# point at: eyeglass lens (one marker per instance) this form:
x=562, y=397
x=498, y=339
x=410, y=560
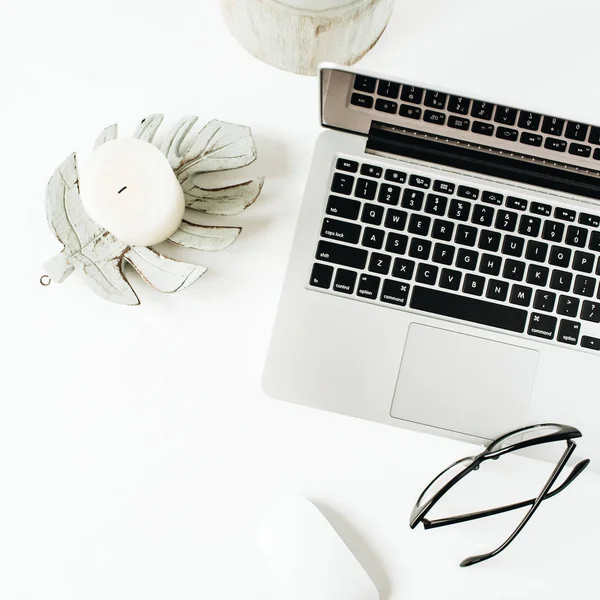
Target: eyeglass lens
x=525, y=435
x=442, y=479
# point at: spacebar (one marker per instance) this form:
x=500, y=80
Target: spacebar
x=468, y=309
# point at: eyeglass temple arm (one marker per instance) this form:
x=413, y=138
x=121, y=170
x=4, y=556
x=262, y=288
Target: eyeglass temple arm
x=471, y=560
x=430, y=524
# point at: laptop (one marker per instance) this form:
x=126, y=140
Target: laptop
x=445, y=270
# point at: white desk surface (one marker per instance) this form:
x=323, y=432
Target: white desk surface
x=136, y=446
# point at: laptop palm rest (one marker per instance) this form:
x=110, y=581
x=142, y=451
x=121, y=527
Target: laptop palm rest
x=463, y=383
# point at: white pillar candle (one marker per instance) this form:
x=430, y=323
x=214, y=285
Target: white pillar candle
x=129, y=188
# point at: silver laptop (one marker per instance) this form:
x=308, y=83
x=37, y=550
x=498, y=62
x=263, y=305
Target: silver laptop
x=445, y=270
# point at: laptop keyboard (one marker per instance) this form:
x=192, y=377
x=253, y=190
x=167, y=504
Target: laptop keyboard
x=455, y=249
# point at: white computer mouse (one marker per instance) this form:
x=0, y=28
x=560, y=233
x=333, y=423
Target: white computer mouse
x=306, y=556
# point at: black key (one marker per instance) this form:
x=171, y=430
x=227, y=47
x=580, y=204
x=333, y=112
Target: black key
x=490, y=264
x=395, y=176
x=389, y=194
x=595, y=242
x=568, y=332
x=465, y=235
x=389, y=89
x=596, y=154
x=506, y=133
x=371, y=171
x=412, y=199
x=583, y=261
x=553, y=126
x=342, y=184
x=341, y=231
x=492, y=198
x=450, y=279
x=419, y=224
x=361, y=100
x=395, y=292
x=444, y=254
x=568, y=306
x=372, y=214
x=576, y=236
x=396, y=243
x=561, y=280
x=584, y=286
x=321, y=276
x=365, y=189
x=536, y=251
x=513, y=246
x=497, y=290
x=460, y=105
x=412, y=112
x=467, y=192
x=544, y=300
x=505, y=115
x=580, y=150
x=395, y=219
x=590, y=220
x=482, y=215
x=506, y=220
x=373, y=238
x=459, y=209
x=564, y=214
x=537, y=275
x=520, y=295
x=380, y=263
x=467, y=259
x=427, y=274
x=344, y=164
x=555, y=144
x=419, y=182
x=413, y=94
x=576, y=131
x=443, y=186
x=560, y=257
x=420, y=248
x=538, y=208
x=516, y=203
x=594, y=135
x=368, y=286
x=530, y=226
x=365, y=84
x=344, y=281
x=442, y=230
x=432, y=116
x=474, y=285
x=553, y=231
x=482, y=110
x=489, y=240
x=468, y=309
x=343, y=207
x=513, y=269
x=403, y=268
x=458, y=123
x=435, y=99
x=529, y=120
x=590, y=342
x=342, y=255
x=436, y=204
x=542, y=326
x=386, y=106
x=531, y=139
x=482, y=128
x=590, y=311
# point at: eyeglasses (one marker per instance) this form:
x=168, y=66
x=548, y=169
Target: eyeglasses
x=516, y=440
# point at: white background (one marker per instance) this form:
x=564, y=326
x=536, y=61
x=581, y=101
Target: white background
x=136, y=446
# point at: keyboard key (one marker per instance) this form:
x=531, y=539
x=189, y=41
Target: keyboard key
x=460, y=105
x=492, y=198
x=594, y=135
x=432, y=116
x=568, y=332
x=468, y=309
x=576, y=131
x=467, y=259
x=589, y=220
x=372, y=214
x=435, y=99
x=380, y=263
x=395, y=176
x=373, y=238
x=364, y=84
x=561, y=280
x=344, y=164
x=396, y=243
x=520, y=295
x=595, y=241
x=342, y=184
x=412, y=112
x=444, y=254
x=553, y=231
x=553, y=126
x=444, y=187
x=506, y=220
x=365, y=189
x=403, y=268
x=371, y=171
x=339, y=254
x=490, y=264
x=542, y=326
x=489, y=240
x=460, y=210
x=389, y=89
x=341, y=231
x=568, y=306
x=413, y=94
x=344, y=281
x=368, y=286
x=505, y=115
x=580, y=150
x=531, y=139
x=583, y=261
x=508, y=134
x=564, y=214
x=465, y=235
x=389, y=194
x=419, y=224
x=419, y=182
x=537, y=208
x=576, y=236
x=544, y=300
x=482, y=110
x=529, y=120
x=482, y=128
x=497, y=290
x=555, y=144
x=450, y=280
x=516, y=203
x=584, y=286
x=386, y=106
x=458, y=123
x=513, y=246
x=536, y=251
x=396, y=219
x=395, y=292
x=321, y=276
x=361, y=100
x=442, y=230
x=590, y=342
x=590, y=311
x=343, y=207
x=427, y=274
x=436, y=204
x=537, y=275
x=412, y=199
x=513, y=270
x=420, y=249
x=474, y=285
x=560, y=257
x=530, y=226
x=467, y=192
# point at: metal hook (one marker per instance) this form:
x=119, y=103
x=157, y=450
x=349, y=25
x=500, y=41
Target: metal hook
x=45, y=280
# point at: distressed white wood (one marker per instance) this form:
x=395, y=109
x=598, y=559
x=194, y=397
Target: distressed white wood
x=296, y=35
x=202, y=237
x=110, y=133
x=230, y=200
x=147, y=128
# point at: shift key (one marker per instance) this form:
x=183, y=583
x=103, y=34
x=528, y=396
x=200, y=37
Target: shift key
x=341, y=231
x=342, y=255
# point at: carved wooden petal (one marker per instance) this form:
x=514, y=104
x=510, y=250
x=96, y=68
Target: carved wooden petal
x=148, y=127
x=230, y=200
x=171, y=146
x=201, y=237
x=110, y=133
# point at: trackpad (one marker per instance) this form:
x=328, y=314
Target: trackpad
x=463, y=383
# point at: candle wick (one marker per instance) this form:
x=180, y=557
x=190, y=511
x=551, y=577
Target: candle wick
x=122, y=189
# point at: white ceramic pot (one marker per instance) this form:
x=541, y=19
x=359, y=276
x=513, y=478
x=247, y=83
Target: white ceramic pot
x=296, y=35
